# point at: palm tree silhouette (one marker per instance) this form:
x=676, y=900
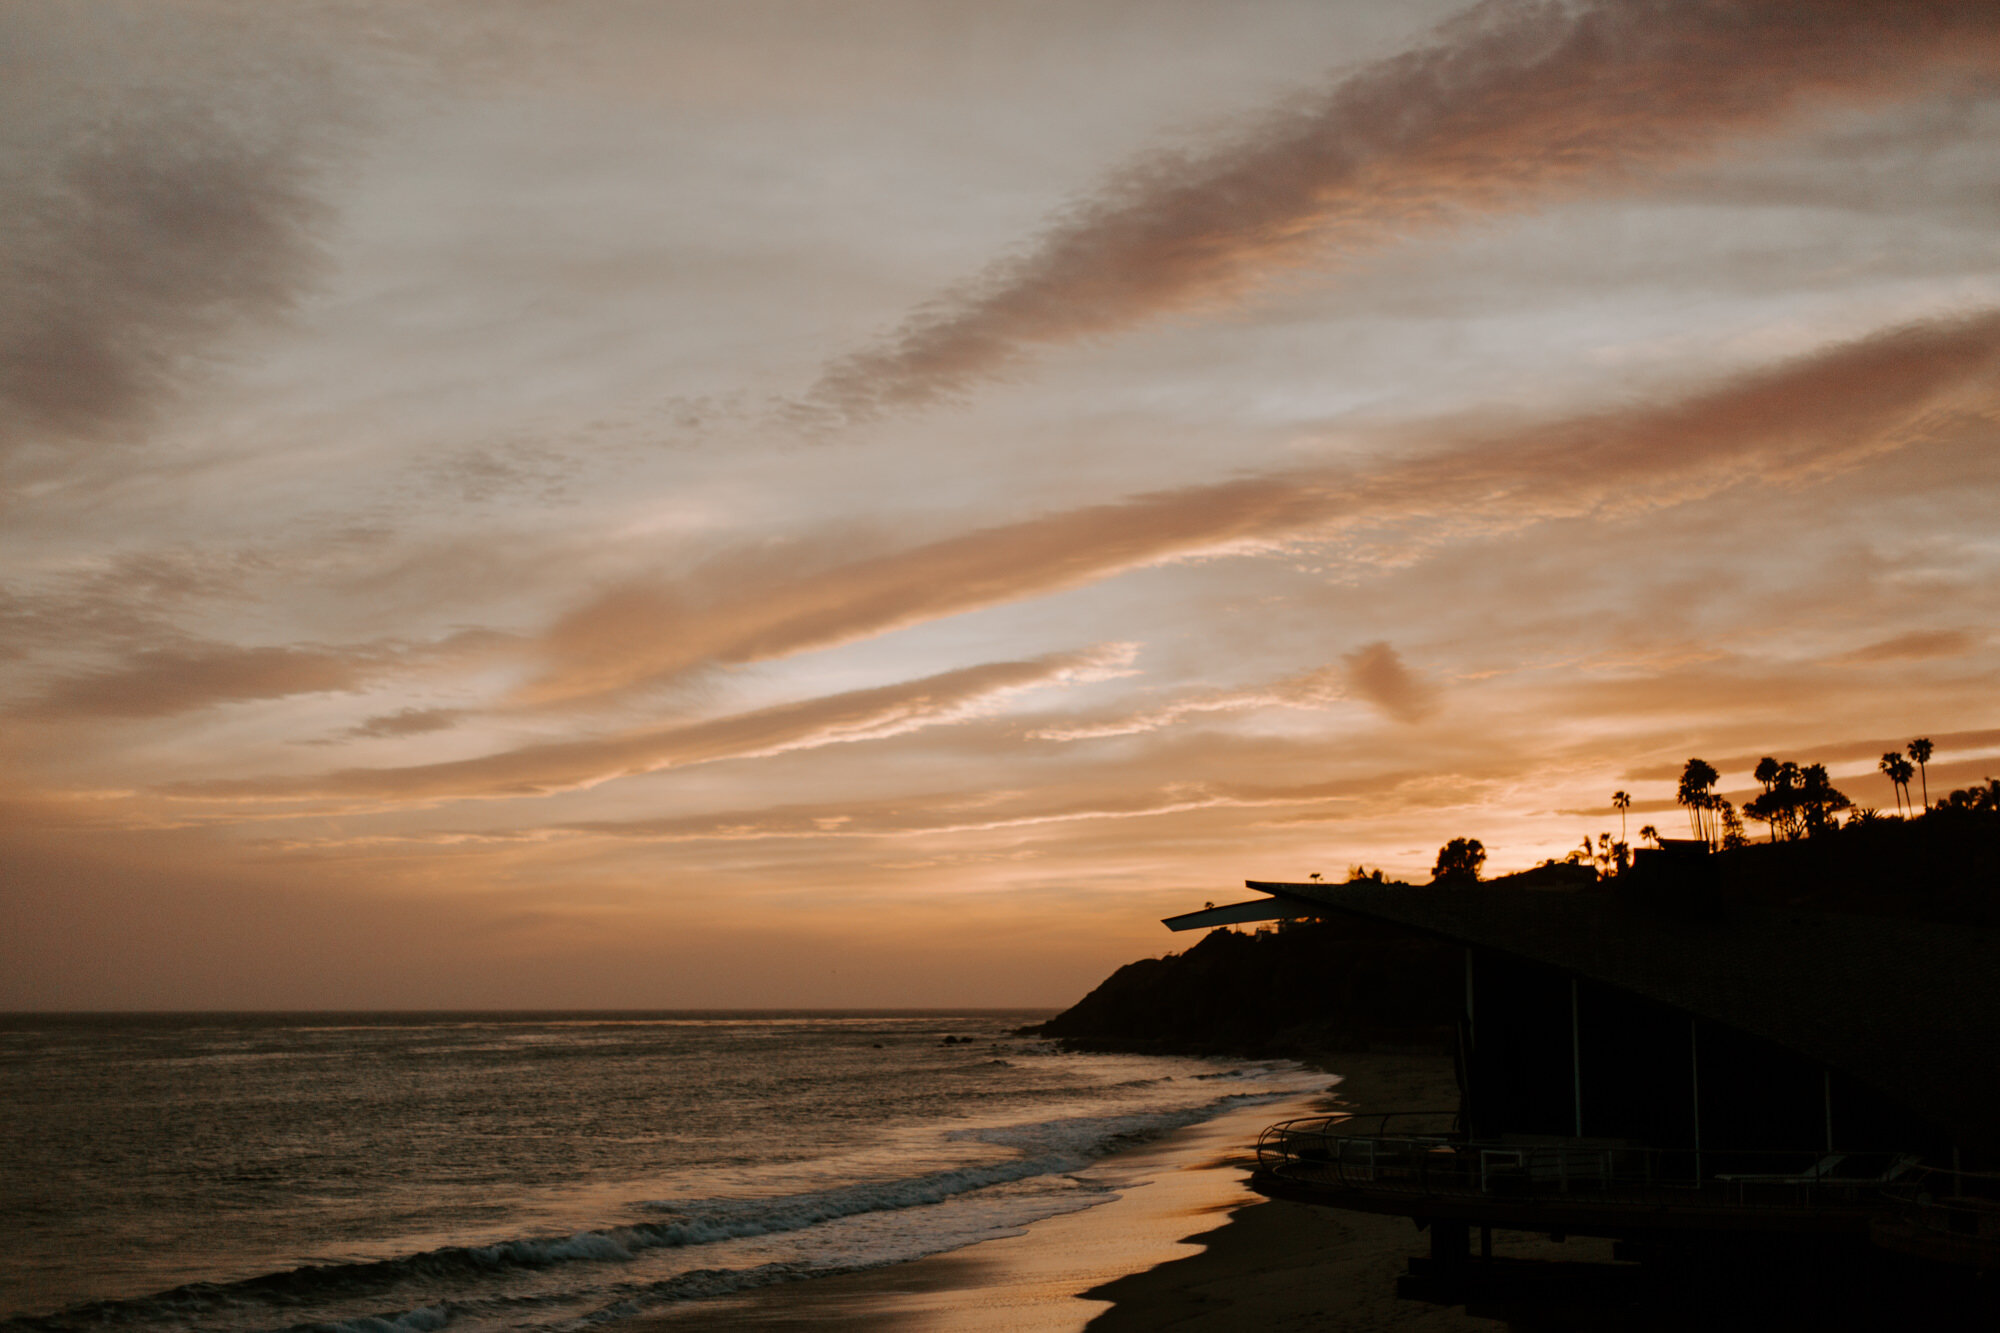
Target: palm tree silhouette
x=1696, y=792
x=1921, y=751
x=1899, y=772
x=1621, y=801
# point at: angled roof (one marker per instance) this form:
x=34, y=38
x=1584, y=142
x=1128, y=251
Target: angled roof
x=1911, y=1007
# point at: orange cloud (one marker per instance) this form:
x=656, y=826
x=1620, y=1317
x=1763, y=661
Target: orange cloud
x=1917, y=646
x=1921, y=385
x=160, y=195
x=643, y=632
x=537, y=770
x=1119, y=795
x=1513, y=106
x=407, y=722
x=163, y=681
x=1377, y=674
x=1311, y=689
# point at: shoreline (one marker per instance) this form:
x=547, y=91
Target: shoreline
x=1273, y=1264
x=1036, y=1280
x=1186, y=1245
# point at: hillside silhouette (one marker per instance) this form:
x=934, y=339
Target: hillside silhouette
x=1345, y=983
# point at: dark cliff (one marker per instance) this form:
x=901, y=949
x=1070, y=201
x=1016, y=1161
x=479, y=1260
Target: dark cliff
x=1309, y=987
x=1346, y=983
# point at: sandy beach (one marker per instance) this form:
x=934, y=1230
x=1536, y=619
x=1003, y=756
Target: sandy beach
x=1187, y=1245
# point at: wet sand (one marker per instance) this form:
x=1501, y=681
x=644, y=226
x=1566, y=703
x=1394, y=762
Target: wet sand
x=1186, y=1246
x=1185, y=1183
x=1278, y=1265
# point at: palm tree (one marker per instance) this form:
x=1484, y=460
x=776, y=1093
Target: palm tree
x=1695, y=792
x=1649, y=833
x=1621, y=801
x=1899, y=772
x=1921, y=751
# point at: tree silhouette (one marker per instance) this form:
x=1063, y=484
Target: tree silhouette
x=1974, y=800
x=1610, y=858
x=1732, y=825
x=1459, y=861
x=1779, y=806
x=1899, y=772
x=1921, y=750
x=1819, y=799
x=1696, y=792
x=1795, y=801
x=1621, y=801
x=1767, y=771
x=1650, y=834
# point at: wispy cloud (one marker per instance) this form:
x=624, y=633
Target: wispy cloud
x=160, y=682
x=189, y=675
x=1511, y=107
x=1917, y=646
x=1376, y=673
x=1311, y=689
x=537, y=770
x=158, y=193
x=908, y=815
x=756, y=611
x=407, y=722
x=1906, y=388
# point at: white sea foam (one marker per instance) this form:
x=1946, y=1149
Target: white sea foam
x=421, y=1320
x=496, y=1204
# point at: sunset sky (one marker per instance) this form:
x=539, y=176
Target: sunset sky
x=876, y=502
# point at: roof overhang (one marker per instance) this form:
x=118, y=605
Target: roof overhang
x=1280, y=906
x=1911, y=1007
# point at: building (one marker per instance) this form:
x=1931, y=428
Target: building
x=1645, y=1061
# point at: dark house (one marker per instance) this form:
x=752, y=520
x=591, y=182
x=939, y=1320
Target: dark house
x=1646, y=1061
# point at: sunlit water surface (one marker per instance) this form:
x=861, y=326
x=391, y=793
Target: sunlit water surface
x=382, y=1172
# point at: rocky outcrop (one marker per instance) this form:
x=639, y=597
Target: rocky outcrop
x=1296, y=991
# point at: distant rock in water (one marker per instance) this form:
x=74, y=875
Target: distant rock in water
x=1313, y=986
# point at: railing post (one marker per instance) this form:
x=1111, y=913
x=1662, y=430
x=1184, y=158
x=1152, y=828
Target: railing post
x=1694, y=1086
x=1576, y=1054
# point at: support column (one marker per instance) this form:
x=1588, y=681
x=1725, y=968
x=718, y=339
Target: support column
x=1468, y=988
x=1451, y=1247
x=1694, y=1082
x=1576, y=1056
x=1442, y=1277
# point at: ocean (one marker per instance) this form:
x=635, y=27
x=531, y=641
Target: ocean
x=383, y=1173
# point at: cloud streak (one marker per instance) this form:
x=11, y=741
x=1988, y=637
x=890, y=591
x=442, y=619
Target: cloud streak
x=913, y=815
x=1917, y=646
x=158, y=193
x=1811, y=418
x=1310, y=689
x=1513, y=106
x=540, y=770
x=160, y=682
x=1376, y=673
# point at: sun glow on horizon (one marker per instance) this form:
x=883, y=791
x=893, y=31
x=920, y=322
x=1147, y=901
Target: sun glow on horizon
x=621, y=517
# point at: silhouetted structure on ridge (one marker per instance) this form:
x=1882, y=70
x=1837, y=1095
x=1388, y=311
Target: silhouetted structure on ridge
x=1685, y=1062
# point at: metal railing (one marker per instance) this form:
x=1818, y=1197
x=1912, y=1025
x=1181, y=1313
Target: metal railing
x=1962, y=1207
x=1423, y=1153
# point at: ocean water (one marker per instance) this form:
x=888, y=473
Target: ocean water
x=387, y=1172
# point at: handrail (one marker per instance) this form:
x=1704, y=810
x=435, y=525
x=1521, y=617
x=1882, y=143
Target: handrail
x=1348, y=1149
x=1963, y=1205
